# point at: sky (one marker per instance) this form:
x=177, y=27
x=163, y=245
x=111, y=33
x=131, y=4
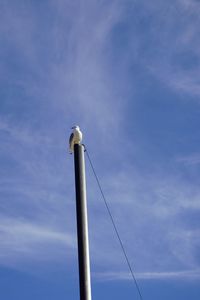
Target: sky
x=127, y=72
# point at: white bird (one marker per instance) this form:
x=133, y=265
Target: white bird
x=75, y=138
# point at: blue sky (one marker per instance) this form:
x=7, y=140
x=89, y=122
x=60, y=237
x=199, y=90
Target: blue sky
x=128, y=73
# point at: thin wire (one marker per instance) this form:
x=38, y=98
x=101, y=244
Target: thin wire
x=115, y=228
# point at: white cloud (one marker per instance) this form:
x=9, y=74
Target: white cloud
x=189, y=160
x=150, y=213
x=183, y=275
x=18, y=133
x=173, y=51
x=77, y=84
x=25, y=241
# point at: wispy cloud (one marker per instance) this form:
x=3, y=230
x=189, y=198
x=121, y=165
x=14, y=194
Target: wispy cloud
x=190, y=160
x=76, y=69
x=150, y=213
x=175, y=59
x=183, y=275
x=22, y=240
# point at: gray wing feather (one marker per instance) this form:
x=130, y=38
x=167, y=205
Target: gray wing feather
x=71, y=138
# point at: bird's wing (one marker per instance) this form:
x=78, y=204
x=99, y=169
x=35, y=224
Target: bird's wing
x=71, y=138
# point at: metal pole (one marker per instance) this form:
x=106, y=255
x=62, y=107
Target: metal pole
x=82, y=223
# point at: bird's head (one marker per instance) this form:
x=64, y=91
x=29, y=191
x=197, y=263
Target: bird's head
x=75, y=127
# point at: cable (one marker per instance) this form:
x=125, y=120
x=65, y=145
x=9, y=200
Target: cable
x=115, y=228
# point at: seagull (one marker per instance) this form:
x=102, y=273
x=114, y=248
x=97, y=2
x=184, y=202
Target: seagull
x=75, y=138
